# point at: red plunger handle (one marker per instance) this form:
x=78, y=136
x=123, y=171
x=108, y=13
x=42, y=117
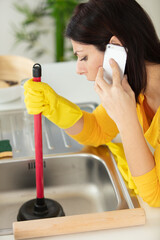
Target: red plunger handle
x=38, y=140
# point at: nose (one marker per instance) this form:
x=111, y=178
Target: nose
x=80, y=68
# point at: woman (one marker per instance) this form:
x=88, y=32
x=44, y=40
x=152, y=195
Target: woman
x=129, y=106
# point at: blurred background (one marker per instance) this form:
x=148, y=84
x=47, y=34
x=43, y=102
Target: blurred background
x=34, y=29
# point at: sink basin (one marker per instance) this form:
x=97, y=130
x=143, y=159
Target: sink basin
x=84, y=182
x=82, y=179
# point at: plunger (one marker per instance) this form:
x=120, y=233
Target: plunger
x=40, y=207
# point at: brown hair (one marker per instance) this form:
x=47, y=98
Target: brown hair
x=96, y=21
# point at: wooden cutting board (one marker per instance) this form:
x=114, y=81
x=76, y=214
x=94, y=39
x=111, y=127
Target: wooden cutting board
x=78, y=223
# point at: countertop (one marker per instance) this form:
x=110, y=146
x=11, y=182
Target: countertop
x=63, y=78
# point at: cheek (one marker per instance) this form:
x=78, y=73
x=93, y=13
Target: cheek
x=95, y=65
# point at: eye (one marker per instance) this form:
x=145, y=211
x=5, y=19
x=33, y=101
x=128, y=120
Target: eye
x=84, y=58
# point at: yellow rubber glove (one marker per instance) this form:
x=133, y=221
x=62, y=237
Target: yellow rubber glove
x=41, y=98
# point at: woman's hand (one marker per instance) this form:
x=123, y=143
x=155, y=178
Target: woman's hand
x=117, y=98
x=41, y=98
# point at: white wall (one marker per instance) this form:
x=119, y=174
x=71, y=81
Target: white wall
x=153, y=9
x=8, y=16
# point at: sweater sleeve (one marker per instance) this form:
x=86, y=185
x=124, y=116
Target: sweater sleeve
x=98, y=128
x=148, y=185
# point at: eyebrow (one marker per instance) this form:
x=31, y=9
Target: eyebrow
x=76, y=53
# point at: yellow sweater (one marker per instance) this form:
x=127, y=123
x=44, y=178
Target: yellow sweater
x=100, y=129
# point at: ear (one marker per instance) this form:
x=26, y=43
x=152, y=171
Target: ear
x=115, y=40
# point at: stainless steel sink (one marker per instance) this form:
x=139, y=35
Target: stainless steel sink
x=82, y=179
x=84, y=182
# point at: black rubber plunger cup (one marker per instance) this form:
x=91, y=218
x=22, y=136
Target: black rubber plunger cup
x=40, y=207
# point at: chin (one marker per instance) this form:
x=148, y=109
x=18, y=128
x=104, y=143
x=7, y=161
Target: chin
x=90, y=80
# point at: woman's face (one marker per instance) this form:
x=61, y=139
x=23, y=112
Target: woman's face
x=89, y=59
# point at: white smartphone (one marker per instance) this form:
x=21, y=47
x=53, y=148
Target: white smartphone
x=118, y=53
